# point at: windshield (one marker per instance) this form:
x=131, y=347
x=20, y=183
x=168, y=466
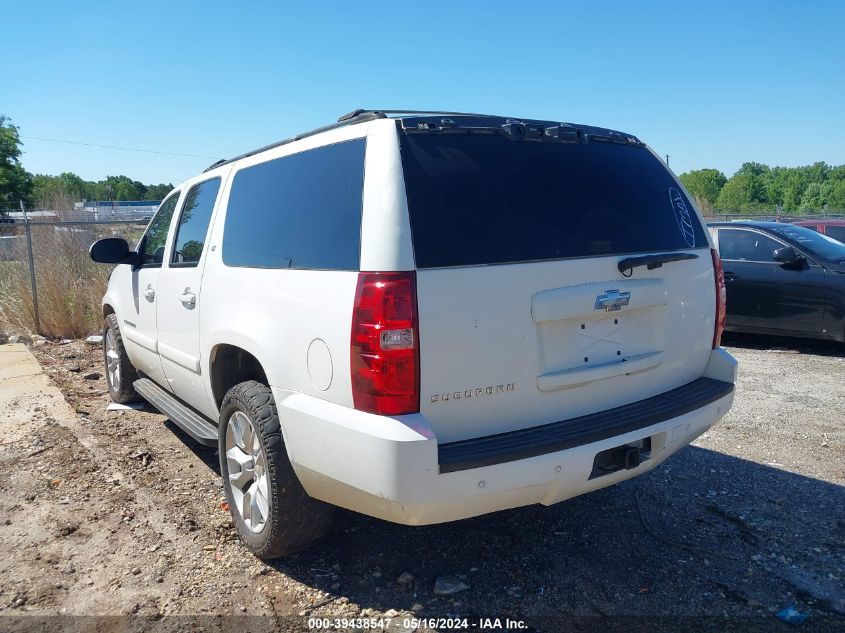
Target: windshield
x=477, y=199
x=813, y=242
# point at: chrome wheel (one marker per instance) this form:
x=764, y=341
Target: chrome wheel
x=112, y=361
x=247, y=468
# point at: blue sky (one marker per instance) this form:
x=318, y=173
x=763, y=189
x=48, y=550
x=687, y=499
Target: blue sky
x=712, y=84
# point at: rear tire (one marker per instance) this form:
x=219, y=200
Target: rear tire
x=120, y=374
x=270, y=508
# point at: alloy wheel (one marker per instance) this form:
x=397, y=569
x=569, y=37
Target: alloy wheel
x=112, y=362
x=247, y=467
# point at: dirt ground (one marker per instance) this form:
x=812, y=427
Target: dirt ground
x=119, y=513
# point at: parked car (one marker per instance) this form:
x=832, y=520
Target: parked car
x=782, y=279
x=830, y=227
x=423, y=318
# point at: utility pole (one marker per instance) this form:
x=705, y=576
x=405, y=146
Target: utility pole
x=667, y=160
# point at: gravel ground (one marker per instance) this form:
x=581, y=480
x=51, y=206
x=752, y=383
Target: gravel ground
x=118, y=513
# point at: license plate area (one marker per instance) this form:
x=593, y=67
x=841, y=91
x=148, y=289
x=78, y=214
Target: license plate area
x=625, y=457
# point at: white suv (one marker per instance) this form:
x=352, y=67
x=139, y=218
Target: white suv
x=423, y=317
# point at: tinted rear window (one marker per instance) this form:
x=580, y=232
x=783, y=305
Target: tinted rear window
x=484, y=199
x=298, y=211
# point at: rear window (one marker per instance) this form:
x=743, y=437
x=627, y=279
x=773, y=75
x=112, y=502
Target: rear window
x=298, y=211
x=484, y=199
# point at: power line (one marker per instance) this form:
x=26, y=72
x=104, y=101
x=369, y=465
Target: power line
x=125, y=149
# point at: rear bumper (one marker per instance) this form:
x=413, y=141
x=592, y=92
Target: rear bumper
x=394, y=469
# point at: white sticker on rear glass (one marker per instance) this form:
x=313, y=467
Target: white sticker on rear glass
x=683, y=216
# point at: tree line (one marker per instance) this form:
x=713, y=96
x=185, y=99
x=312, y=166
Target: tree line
x=60, y=192
x=56, y=192
x=758, y=188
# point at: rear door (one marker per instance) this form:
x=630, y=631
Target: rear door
x=525, y=317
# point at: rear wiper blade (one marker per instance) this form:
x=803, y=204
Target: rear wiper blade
x=626, y=266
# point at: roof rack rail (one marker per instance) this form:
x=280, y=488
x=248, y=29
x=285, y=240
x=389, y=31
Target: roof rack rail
x=387, y=111
x=358, y=116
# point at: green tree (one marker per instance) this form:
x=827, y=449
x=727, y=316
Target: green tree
x=746, y=190
x=836, y=201
x=157, y=192
x=15, y=182
x=753, y=169
x=704, y=185
x=737, y=195
x=58, y=192
x=120, y=188
x=816, y=196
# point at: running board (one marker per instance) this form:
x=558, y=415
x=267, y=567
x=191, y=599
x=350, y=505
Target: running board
x=195, y=425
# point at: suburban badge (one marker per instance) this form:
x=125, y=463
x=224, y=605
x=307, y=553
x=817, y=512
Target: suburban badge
x=476, y=392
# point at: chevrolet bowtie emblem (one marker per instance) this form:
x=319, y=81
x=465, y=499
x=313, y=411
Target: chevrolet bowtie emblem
x=612, y=300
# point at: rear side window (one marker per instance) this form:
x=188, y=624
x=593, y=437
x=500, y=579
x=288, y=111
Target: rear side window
x=484, y=199
x=299, y=211
x=193, y=223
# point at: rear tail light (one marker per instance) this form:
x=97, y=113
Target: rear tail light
x=721, y=296
x=385, y=359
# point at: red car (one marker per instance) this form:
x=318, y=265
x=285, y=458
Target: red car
x=831, y=228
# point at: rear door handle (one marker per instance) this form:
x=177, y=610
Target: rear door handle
x=188, y=298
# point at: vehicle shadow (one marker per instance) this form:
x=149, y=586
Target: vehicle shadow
x=766, y=342
x=206, y=454
x=704, y=534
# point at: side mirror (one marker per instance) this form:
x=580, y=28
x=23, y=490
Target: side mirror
x=785, y=254
x=112, y=250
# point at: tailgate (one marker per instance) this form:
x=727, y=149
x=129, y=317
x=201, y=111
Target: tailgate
x=509, y=347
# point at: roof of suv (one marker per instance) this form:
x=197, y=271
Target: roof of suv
x=462, y=122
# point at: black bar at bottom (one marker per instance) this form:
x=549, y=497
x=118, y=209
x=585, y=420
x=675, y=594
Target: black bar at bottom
x=586, y=429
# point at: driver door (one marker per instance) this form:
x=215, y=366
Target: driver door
x=139, y=326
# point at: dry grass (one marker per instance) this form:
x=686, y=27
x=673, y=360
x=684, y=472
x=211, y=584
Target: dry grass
x=70, y=286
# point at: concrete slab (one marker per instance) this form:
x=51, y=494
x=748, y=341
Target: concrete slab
x=16, y=361
x=26, y=393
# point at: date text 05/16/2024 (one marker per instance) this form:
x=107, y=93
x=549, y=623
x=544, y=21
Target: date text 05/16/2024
x=465, y=624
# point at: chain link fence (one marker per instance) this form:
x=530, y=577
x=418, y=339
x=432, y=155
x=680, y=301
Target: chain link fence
x=48, y=284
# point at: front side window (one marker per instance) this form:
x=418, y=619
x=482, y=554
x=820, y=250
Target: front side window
x=152, y=244
x=298, y=211
x=193, y=223
x=744, y=245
